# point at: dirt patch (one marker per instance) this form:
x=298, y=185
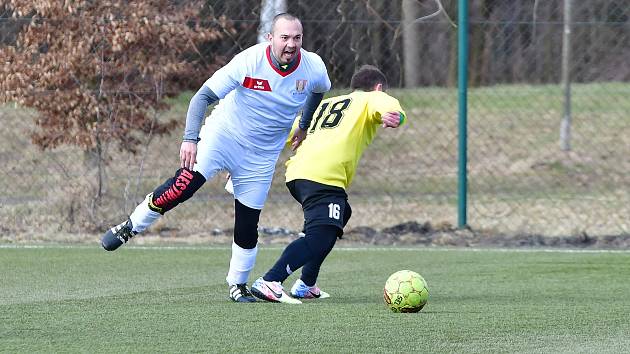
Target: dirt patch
x=405, y=234
x=424, y=234
x=413, y=233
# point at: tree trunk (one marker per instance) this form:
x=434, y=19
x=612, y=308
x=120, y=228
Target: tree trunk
x=268, y=10
x=411, y=38
x=94, y=165
x=565, y=125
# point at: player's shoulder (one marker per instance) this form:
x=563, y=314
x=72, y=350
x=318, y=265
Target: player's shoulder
x=375, y=100
x=309, y=54
x=260, y=47
x=311, y=57
x=255, y=51
x=371, y=96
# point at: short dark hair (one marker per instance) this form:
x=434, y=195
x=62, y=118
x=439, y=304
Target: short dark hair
x=284, y=15
x=366, y=77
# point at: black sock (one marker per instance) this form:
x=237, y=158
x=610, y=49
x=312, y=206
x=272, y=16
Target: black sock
x=328, y=237
x=293, y=257
x=311, y=249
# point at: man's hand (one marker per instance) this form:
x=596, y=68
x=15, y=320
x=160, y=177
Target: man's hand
x=391, y=119
x=188, y=154
x=298, y=136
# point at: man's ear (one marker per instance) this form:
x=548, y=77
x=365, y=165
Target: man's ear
x=378, y=87
x=268, y=36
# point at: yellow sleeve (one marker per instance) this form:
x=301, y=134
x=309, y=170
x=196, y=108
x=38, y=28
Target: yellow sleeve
x=383, y=103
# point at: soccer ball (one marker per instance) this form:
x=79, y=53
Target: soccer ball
x=406, y=291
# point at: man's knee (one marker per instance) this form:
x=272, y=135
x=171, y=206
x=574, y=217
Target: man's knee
x=176, y=190
x=245, y=225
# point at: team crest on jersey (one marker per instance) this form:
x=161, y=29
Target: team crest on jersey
x=256, y=84
x=300, y=85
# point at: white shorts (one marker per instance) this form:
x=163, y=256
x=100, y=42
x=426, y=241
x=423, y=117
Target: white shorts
x=251, y=170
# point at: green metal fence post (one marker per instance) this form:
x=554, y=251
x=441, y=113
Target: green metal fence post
x=462, y=78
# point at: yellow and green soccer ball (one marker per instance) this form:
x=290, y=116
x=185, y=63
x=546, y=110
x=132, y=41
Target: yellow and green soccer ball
x=406, y=291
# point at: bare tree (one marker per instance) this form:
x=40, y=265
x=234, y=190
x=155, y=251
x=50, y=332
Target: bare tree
x=98, y=72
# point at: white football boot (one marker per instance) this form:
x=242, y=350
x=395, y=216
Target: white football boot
x=271, y=291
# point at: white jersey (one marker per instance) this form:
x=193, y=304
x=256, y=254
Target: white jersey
x=258, y=101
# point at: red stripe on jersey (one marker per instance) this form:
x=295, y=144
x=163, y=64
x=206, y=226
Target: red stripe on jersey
x=283, y=73
x=256, y=84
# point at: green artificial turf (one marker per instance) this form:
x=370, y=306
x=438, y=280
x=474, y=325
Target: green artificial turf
x=83, y=299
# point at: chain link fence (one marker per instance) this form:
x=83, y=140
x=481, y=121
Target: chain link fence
x=528, y=172
x=547, y=116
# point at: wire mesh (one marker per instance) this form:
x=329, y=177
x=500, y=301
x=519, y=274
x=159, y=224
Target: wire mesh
x=521, y=180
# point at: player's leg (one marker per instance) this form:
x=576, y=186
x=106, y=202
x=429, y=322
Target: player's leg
x=171, y=193
x=317, y=243
x=323, y=212
x=244, y=250
x=310, y=271
x=305, y=286
x=251, y=181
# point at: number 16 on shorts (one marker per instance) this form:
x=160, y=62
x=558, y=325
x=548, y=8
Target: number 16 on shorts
x=334, y=211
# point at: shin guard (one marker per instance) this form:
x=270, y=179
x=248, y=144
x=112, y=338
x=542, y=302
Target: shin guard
x=176, y=190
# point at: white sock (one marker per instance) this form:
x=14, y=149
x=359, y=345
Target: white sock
x=241, y=264
x=142, y=217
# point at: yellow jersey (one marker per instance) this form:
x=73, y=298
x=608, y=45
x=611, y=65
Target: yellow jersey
x=341, y=128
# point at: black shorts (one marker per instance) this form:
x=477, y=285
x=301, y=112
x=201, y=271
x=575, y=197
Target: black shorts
x=322, y=204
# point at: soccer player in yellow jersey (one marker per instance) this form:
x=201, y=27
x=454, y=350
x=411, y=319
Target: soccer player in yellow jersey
x=319, y=174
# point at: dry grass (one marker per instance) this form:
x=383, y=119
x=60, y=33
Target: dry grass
x=519, y=180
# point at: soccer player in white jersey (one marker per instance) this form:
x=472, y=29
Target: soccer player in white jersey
x=260, y=93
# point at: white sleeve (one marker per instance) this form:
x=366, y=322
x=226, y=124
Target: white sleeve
x=323, y=83
x=228, y=77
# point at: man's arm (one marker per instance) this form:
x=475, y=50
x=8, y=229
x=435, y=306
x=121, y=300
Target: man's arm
x=385, y=110
x=196, y=111
x=393, y=119
x=321, y=86
x=312, y=102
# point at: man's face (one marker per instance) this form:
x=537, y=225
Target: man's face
x=286, y=40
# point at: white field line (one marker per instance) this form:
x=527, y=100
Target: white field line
x=338, y=249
